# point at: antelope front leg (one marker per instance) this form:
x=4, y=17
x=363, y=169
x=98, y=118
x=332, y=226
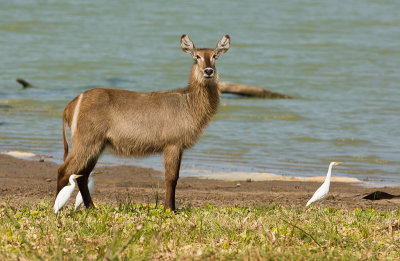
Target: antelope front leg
x=172, y=164
x=83, y=188
x=77, y=165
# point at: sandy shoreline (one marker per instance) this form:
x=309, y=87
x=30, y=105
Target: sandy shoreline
x=258, y=176
x=218, y=175
x=30, y=181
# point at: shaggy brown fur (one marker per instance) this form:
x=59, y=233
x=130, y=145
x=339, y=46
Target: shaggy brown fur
x=139, y=124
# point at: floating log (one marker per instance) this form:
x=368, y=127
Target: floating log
x=250, y=91
x=24, y=83
x=225, y=87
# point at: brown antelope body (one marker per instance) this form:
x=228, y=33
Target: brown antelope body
x=139, y=124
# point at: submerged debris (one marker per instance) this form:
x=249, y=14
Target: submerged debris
x=24, y=83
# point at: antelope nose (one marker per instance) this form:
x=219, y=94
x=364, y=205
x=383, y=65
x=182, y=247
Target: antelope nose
x=208, y=71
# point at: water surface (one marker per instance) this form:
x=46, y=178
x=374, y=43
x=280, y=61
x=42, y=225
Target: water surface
x=339, y=60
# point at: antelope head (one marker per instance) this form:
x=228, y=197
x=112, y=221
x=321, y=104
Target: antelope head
x=204, y=58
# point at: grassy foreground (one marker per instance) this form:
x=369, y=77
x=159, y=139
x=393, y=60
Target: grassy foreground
x=135, y=232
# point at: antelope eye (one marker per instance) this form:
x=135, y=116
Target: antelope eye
x=198, y=56
x=214, y=56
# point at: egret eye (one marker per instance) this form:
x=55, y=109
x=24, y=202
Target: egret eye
x=198, y=56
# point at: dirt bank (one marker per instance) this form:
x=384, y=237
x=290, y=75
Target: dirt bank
x=30, y=181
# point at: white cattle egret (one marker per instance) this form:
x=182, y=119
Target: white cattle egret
x=79, y=200
x=64, y=194
x=324, y=189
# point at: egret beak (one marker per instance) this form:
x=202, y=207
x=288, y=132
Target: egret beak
x=99, y=172
x=77, y=176
x=338, y=163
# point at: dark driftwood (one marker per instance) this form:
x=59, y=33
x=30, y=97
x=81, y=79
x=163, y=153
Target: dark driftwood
x=225, y=87
x=250, y=91
x=377, y=195
x=24, y=83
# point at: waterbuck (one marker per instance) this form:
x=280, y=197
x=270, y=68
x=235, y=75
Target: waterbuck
x=139, y=124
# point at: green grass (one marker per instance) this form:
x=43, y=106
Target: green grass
x=138, y=232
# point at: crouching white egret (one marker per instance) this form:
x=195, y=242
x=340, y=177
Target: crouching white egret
x=324, y=189
x=64, y=194
x=78, y=199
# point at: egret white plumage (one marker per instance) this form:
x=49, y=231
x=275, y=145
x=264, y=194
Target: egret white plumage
x=78, y=199
x=64, y=194
x=324, y=189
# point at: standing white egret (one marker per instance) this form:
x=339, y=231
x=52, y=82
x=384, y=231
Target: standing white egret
x=79, y=200
x=324, y=189
x=64, y=194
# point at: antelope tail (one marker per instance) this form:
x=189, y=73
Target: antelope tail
x=65, y=141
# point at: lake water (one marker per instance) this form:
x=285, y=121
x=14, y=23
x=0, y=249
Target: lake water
x=338, y=59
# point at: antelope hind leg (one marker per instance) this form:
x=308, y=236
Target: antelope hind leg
x=172, y=163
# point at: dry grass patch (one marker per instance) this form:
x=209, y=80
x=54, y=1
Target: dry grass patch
x=142, y=231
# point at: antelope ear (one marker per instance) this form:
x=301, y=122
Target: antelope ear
x=222, y=46
x=187, y=45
